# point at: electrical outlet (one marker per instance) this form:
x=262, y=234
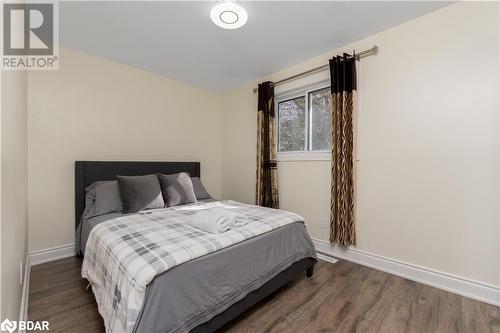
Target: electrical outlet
x=21, y=276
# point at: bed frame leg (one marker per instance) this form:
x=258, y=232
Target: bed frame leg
x=310, y=271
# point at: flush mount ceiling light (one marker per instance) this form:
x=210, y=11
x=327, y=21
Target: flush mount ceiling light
x=229, y=15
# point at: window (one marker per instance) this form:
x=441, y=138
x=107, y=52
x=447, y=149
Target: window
x=321, y=119
x=304, y=121
x=292, y=124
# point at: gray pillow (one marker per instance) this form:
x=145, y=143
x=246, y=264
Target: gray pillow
x=107, y=198
x=177, y=189
x=140, y=192
x=90, y=190
x=90, y=201
x=199, y=190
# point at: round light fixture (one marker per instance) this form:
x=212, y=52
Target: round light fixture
x=228, y=15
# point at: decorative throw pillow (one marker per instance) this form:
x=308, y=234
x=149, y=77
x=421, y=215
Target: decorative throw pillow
x=199, y=190
x=140, y=192
x=177, y=189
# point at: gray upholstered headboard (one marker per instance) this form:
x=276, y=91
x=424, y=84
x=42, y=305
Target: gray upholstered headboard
x=88, y=172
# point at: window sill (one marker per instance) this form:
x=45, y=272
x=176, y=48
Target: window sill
x=304, y=156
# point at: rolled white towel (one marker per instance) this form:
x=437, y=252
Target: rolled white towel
x=238, y=220
x=214, y=221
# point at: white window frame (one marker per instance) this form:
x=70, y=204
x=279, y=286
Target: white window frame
x=307, y=154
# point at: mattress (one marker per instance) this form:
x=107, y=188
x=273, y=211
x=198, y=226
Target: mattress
x=192, y=293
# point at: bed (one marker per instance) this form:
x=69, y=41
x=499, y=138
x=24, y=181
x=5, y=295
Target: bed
x=205, y=293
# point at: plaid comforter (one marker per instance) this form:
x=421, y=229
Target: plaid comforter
x=123, y=255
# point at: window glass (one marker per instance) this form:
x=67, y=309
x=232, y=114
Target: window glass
x=292, y=124
x=321, y=119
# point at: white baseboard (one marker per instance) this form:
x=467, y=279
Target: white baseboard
x=452, y=283
x=23, y=312
x=54, y=253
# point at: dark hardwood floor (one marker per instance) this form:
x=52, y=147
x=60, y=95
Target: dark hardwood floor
x=341, y=297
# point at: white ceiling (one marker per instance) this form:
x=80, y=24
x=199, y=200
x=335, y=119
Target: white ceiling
x=178, y=40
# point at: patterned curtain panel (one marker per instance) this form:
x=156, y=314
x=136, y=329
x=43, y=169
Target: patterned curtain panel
x=267, y=178
x=343, y=86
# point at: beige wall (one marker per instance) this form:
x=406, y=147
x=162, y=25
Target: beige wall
x=14, y=198
x=427, y=144
x=94, y=109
